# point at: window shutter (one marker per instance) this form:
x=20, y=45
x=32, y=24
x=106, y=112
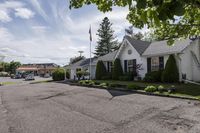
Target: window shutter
x=148, y=64
x=134, y=67
x=108, y=66
x=125, y=66
x=161, y=63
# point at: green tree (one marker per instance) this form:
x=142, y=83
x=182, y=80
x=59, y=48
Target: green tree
x=13, y=66
x=170, y=73
x=6, y=66
x=100, y=70
x=130, y=31
x=58, y=74
x=117, y=70
x=106, y=40
x=170, y=19
x=138, y=36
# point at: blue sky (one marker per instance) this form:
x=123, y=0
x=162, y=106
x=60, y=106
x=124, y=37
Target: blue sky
x=34, y=31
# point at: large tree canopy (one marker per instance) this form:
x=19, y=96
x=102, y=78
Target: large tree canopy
x=106, y=39
x=170, y=19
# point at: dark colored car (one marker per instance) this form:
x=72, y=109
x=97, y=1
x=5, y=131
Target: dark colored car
x=18, y=76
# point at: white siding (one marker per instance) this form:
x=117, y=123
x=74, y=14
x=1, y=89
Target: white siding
x=188, y=65
x=123, y=55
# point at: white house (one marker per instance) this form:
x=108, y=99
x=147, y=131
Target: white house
x=82, y=65
x=153, y=56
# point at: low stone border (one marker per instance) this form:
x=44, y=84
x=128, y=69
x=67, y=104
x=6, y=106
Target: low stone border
x=137, y=91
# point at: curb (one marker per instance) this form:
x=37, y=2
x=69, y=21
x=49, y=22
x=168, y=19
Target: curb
x=136, y=91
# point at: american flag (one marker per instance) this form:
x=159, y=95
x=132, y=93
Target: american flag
x=90, y=32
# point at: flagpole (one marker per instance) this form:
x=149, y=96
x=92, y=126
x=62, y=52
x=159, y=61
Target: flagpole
x=90, y=61
x=90, y=31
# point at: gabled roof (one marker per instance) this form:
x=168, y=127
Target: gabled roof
x=139, y=45
x=87, y=61
x=108, y=57
x=161, y=48
x=76, y=64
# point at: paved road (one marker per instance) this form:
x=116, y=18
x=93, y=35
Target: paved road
x=22, y=81
x=59, y=108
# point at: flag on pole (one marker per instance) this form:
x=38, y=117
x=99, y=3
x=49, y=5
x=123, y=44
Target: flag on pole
x=90, y=32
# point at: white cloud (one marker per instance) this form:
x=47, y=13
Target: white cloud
x=61, y=36
x=8, y=6
x=5, y=35
x=24, y=13
x=11, y=4
x=4, y=16
x=39, y=9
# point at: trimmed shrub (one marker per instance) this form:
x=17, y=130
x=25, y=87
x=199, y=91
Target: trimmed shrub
x=172, y=89
x=117, y=70
x=4, y=74
x=82, y=82
x=81, y=74
x=67, y=74
x=161, y=88
x=124, y=78
x=58, y=75
x=104, y=85
x=150, y=89
x=100, y=70
x=154, y=76
x=170, y=73
x=133, y=86
x=107, y=76
x=87, y=82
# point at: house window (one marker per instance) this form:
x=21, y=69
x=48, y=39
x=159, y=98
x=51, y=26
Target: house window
x=130, y=65
x=155, y=64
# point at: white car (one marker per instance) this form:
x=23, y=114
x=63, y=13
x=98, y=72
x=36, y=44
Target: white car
x=30, y=77
x=46, y=75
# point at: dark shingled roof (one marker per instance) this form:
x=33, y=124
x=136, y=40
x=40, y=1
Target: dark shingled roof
x=86, y=61
x=139, y=45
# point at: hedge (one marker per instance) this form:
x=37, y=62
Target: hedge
x=170, y=73
x=154, y=76
x=100, y=70
x=117, y=70
x=58, y=75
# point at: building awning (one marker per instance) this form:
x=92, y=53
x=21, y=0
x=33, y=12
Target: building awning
x=27, y=69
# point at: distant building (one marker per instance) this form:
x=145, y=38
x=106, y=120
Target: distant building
x=38, y=69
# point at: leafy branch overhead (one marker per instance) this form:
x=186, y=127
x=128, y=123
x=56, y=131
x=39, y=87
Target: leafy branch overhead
x=170, y=19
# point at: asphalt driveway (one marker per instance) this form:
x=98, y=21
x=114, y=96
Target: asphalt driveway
x=22, y=81
x=60, y=108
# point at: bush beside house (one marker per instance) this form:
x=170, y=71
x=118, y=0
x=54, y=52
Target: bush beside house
x=154, y=76
x=100, y=70
x=81, y=74
x=58, y=75
x=67, y=74
x=117, y=70
x=170, y=73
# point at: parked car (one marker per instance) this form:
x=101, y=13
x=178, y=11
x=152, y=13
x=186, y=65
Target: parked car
x=18, y=76
x=46, y=75
x=12, y=76
x=29, y=77
x=24, y=75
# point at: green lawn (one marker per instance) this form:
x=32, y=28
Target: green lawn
x=190, y=90
x=9, y=83
x=43, y=81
